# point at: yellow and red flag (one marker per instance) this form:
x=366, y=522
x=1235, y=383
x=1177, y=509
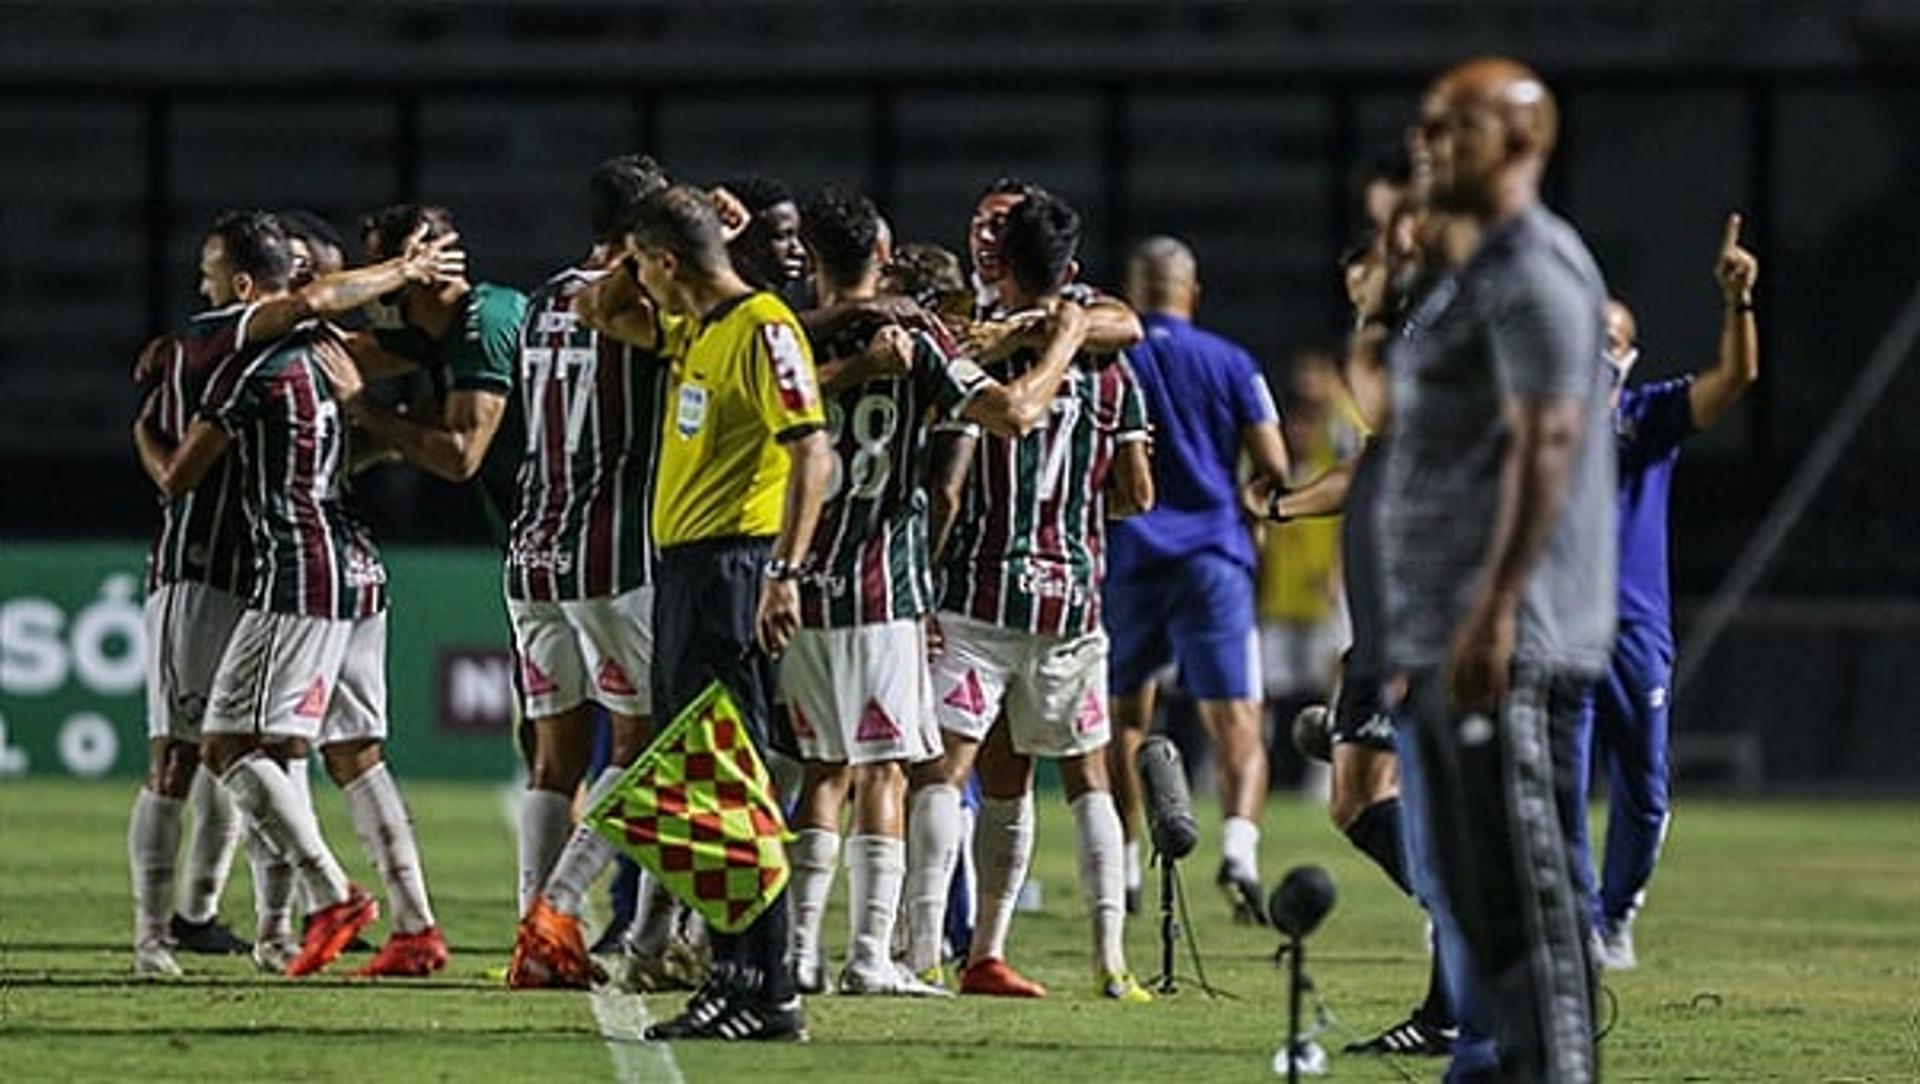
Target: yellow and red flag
x=697, y=809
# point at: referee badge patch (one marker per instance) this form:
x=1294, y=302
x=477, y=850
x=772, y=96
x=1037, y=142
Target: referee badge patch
x=692, y=412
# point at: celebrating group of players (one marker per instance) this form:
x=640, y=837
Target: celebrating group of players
x=882, y=524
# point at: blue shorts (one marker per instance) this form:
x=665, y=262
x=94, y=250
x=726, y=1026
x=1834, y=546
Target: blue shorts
x=1197, y=613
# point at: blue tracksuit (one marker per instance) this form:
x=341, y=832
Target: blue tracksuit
x=1625, y=719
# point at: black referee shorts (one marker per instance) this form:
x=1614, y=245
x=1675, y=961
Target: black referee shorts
x=704, y=599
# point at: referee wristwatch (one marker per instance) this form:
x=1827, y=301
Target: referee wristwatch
x=1274, y=498
x=778, y=569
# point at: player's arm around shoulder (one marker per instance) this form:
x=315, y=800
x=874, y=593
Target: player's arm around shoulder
x=1021, y=405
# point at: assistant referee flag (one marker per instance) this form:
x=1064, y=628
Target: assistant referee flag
x=697, y=810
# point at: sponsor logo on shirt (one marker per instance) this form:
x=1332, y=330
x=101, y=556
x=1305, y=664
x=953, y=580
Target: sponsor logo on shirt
x=692, y=411
x=791, y=374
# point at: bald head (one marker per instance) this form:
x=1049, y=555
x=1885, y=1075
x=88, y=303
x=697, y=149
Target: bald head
x=1487, y=128
x=1510, y=87
x=1163, y=277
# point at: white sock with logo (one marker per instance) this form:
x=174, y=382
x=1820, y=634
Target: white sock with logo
x=385, y=829
x=587, y=853
x=1003, y=848
x=546, y=818
x=216, y=832
x=1240, y=846
x=1096, y=829
x=875, y=868
x=934, y=830
x=262, y=791
x=153, y=838
x=815, y=853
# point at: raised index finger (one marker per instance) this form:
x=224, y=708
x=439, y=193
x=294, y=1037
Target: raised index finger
x=1732, y=239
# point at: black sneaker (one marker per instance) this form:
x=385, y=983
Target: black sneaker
x=1243, y=895
x=702, y=1009
x=209, y=938
x=1413, y=1037
x=751, y=1020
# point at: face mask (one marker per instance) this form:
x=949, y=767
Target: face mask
x=386, y=314
x=1621, y=364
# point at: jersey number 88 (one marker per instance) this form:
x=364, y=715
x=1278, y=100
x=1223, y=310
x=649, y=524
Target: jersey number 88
x=876, y=418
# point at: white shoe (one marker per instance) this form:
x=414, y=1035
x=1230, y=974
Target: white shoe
x=809, y=974
x=1615, y=948
x=155, y=958
x=272, y=954
x=887, y=980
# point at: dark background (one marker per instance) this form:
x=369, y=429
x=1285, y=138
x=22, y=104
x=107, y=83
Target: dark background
x=1237, y=126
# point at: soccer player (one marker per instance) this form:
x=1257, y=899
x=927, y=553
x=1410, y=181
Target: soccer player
x=579, y=574
x=744, y=467
x=466, y=335
x=1356, y=733
x=1020, y=613
x=768, y=252
x=1180, y=578
x=306, y=660
x=1497, y=543
x=1624, y=718
x=856, y=677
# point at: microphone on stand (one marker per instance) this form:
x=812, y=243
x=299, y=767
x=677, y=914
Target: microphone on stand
x=1169, y=804
x=1298, y=906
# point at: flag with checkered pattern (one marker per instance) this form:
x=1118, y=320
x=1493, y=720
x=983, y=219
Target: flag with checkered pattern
x=697, y=809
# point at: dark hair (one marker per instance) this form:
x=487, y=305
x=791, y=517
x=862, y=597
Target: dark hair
x=1039, y=240
x=840, y=227
x=926, y=272
x=391, y=226
x=312, y=228
x=615, y=191
x=1004, y=186
x=681, y=220
x=255, y=245
x=758, y=193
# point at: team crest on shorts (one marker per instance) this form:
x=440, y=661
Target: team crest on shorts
x=612, y=679
x=875, y=725
x=314, y=704
x=535, y=679
x=1093, y=714
x=968, y=696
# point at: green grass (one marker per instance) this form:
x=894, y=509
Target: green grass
x=1783, y=943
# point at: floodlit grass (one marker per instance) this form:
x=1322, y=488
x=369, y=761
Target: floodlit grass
x=1782, y=943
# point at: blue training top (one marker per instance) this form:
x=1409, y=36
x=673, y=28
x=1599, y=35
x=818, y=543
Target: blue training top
x=1202, y=392
x=1648, y=425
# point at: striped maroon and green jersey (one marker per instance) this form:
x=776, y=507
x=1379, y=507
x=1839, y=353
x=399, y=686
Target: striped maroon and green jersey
x=869, y=561
x=585, y=487
x=202, y=536
x=1028, y=545
x=312, y=553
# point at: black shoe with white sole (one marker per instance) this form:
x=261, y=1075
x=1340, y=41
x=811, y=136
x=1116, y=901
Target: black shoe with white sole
x=209, y=938
x=1243, y=895
x=1414, y=1037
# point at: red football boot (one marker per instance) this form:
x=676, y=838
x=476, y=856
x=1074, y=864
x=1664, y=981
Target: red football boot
x=408, y=955
x=331, y=928
x=994, y=977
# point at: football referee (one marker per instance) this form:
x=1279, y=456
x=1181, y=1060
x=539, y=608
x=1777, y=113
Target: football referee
x=743, y=469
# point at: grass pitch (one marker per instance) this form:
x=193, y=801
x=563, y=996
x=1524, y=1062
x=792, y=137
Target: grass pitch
x=1782, y=943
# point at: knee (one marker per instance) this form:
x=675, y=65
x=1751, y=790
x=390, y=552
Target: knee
x=172, y=775
x=556, y=769
x=349, y=760
x=1083, y=775
x=886, y=777
x=221, y=751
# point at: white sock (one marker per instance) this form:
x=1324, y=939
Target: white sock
x=272, y=889
x=262, y=791
x=546, y=817
x=653, y=924
x=875, y=867
x=1240, y=846
x=587, y=853
x=933, y=847
x=815, y=853
x=216, y=832
x=302, y=780
x=1133, y=865
x=1096, y=829
x=1003, y=845
x=385, y=829
x=153, y=838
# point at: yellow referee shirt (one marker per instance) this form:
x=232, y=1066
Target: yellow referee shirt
x=743, y=375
